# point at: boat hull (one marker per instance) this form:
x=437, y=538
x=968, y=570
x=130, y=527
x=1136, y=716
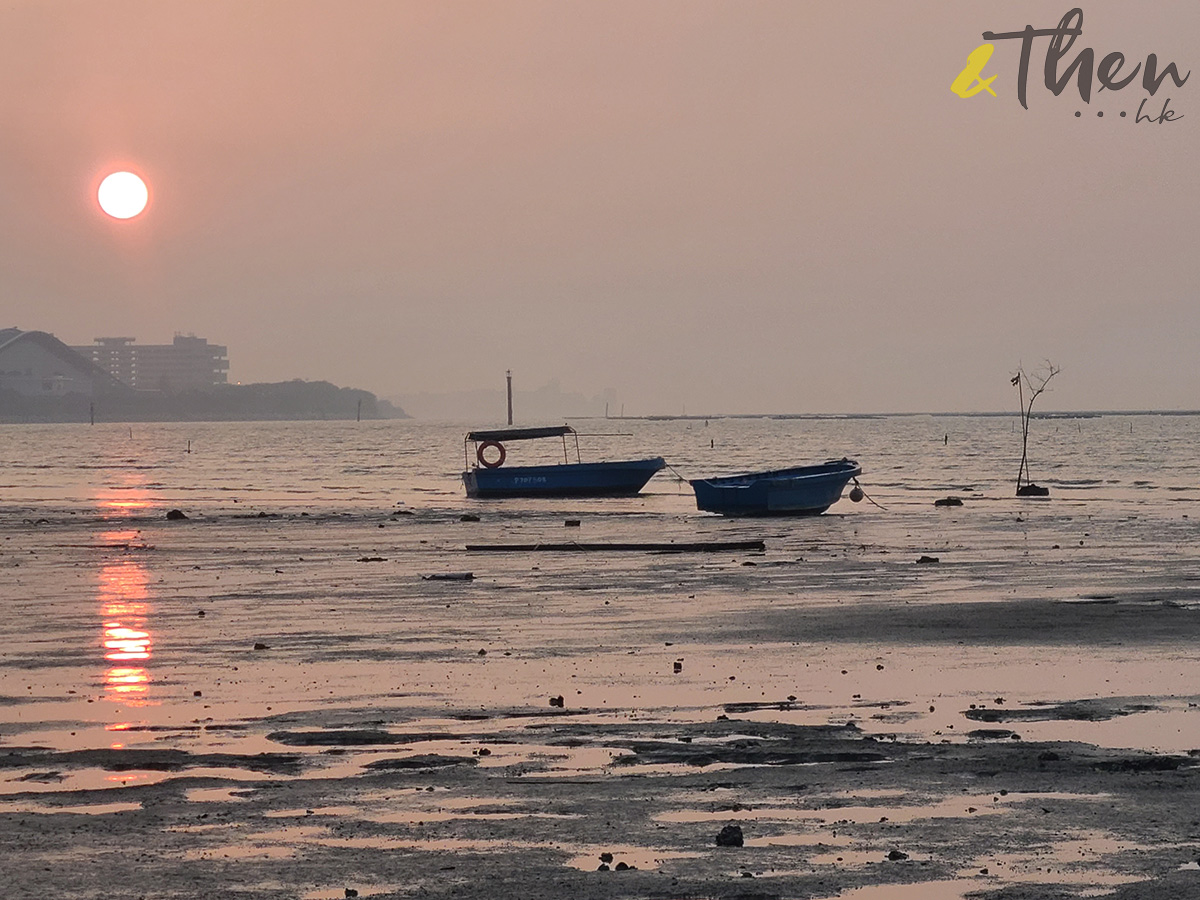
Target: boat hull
x=600, y=479
x=798, y=491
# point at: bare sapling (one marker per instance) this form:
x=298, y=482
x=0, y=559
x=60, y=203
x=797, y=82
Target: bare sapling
x=1034, y=384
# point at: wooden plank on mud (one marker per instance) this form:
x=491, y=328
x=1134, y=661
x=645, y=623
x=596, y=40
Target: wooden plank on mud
x=636, y=547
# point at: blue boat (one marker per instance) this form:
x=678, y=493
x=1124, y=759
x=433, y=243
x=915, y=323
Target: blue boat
x=488, y=477
x=799, y=491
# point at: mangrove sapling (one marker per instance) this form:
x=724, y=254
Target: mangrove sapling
x=1034, y=383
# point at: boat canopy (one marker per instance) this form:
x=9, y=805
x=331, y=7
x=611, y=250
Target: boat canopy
x=520, y=434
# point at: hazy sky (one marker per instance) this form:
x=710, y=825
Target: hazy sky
x=724, y=207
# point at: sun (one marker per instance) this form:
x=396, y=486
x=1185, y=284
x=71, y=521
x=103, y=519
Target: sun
x=122, y=195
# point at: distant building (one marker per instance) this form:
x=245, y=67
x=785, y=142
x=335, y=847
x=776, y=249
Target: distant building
x=187, y=363
x=37, y=364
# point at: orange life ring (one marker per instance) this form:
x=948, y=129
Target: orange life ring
x=483, y=460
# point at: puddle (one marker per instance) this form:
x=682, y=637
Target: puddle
x=923, y=890
x=470, y=810
x=588, y=859
x=214, y=795
x=858, y=858
x=97, y=809
x=957, y=807
x=1074, y=860
x=793, y=839
x=339, y=893
x=104, y=779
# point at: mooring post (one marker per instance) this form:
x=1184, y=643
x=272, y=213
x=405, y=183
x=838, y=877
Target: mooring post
x=508, y=377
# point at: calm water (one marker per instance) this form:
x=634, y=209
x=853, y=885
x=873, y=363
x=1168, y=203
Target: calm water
x=1147, y=463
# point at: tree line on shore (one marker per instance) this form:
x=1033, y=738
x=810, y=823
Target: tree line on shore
x=287, y=400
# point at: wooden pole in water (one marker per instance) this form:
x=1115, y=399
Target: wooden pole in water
x=358, y=415
x=508, y=377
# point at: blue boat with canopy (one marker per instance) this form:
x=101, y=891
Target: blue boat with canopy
x=487, y=475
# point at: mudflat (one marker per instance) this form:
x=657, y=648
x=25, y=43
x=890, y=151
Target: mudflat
x=284, y=705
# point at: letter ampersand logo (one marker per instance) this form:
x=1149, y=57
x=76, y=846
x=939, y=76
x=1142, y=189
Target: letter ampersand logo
x=968, y=83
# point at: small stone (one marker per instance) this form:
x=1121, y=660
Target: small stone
x=730, y=836
x=259, y=645
x=558, y=701
x=351, y=892
x=606, y=857
x=468, y=517
x=603, y=867
x=176, y=515
x=196, y=694
x=927, y=560
x=897, y=855
x=621, y=867
x=571, y=523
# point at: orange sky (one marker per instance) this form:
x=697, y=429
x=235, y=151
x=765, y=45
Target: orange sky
x=774, y=206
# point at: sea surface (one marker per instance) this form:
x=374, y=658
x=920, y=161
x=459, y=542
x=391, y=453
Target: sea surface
x=1134, y=462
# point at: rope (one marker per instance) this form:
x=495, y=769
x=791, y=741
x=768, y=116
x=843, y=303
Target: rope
x=868, y=496
x=678, y=474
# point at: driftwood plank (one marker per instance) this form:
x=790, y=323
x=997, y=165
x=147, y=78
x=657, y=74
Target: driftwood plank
x=575, y=546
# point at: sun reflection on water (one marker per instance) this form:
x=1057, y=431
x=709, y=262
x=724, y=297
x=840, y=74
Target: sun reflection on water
x=124, y=613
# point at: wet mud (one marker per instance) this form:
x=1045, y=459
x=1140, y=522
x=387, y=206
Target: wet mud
x=234, y=706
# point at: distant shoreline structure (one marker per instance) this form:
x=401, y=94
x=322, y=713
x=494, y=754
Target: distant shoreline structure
x=1052, y=414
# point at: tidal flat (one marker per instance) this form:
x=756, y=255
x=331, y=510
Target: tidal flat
x=277, y=703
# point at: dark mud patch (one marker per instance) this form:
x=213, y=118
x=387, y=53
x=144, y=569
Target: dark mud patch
x=733, y=743
x=149, y=760
x=1011, y=623
x=1071, y=710
x=352, y=738
x=423, y=761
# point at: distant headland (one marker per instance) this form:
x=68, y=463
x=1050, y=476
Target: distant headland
x=287, y=400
